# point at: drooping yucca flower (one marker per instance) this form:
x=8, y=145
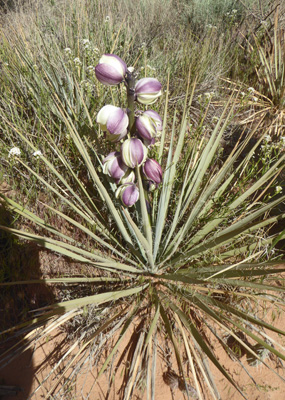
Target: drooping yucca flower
x=147, y=90
x=133, y=152
x=114, y=121
x=153, y=171
x=128, y=194
x=110, y=70
x=148, y=125
x=114, y=166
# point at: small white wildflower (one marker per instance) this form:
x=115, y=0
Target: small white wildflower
x=85, y=84
x=37, y=153
x=254, y=99
x=131, y=69
x=267, y=138
x=77, y=61
x=234, y=11
x=107, y=19
x=15, y=151
x=7, y=64
x=150, y=67
x=278, y=189
x=86, y=43
x=209, y=95
x=251, y=90
x=242, y=94
x=143, y=45
x=67, y=50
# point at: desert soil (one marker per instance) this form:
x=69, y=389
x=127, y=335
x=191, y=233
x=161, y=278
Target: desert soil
x=27, y=371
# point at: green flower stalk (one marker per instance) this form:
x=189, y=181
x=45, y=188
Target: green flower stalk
x=130, y=83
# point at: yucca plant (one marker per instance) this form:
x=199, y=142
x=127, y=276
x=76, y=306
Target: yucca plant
x=267, y=74
x=182, y=256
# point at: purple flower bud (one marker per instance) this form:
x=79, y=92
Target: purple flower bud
x=110, y=70
x=133, y=152
x=153, y=171
x=114, y=167
x=128, y=193
x=114, y=120
x=147, y=90
x=156, y=118
x=149, y=124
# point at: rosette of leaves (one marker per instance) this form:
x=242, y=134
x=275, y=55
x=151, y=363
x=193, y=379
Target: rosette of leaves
x=266, y=55
x=178, y=267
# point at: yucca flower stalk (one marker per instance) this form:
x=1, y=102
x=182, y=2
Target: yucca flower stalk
x=117, y=122
x=174, y=259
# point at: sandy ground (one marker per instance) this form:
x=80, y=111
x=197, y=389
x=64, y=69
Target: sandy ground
x=32, y=367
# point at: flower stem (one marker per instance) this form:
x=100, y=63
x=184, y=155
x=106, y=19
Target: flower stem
x=130, y=79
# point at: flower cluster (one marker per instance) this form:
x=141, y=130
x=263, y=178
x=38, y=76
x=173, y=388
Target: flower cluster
x=15, y=151
x=134, y=140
